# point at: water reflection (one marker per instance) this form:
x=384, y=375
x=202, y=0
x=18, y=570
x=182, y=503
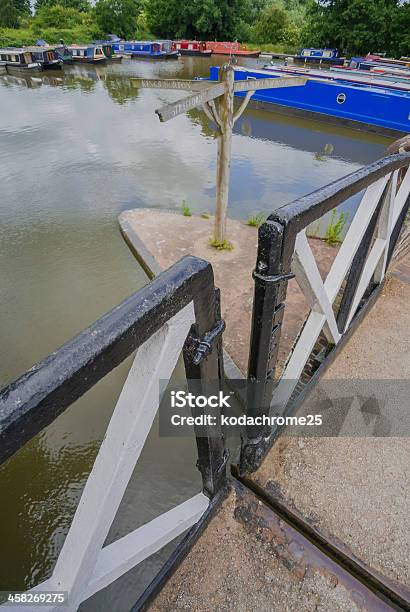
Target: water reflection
x=76, y=149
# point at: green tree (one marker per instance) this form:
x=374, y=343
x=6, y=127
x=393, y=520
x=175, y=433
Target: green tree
x=357, y=26
x=57, y=17
x=78, y=5
x=118, y=16
x=401, y=31
x=271, y=24
x=23, y=7
x=9, y=14
x=205, y=19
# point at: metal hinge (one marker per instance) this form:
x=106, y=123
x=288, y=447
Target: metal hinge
x=202, y=347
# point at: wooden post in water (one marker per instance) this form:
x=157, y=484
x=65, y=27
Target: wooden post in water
x=226, y=76
x=205, y=94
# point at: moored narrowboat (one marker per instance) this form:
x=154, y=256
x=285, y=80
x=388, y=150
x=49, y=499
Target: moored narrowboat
x=64, y=54
x=47, y=57
x=168, y=47
x=382, y=59
x=359, y=105
x=364, y=63
x=342, y=74
x=90, y=54
x=18, y=60
x=320, y=56
x=144, y=49
x=60, y=50
x=191, y=47
x=107, y=47
x=231, y=48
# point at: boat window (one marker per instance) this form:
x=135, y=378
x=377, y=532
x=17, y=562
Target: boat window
x=327, y=54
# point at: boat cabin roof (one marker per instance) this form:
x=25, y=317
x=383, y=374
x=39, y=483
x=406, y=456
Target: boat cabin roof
x=13, y=50
x=319, y=49
x=39, y=49
x=91, y=45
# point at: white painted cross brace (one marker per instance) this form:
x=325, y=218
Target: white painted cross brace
x=84, y=566
x=322, y=295
x=309, y=280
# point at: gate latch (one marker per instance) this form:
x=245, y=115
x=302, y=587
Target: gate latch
x=277, y=278
x=202, y=347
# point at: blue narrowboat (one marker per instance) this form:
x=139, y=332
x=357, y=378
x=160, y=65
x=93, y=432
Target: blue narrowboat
x=90, y=54
x=145, y=49
x=60, y=50
x=320, y=56
x=358, y=105
x=47, y=56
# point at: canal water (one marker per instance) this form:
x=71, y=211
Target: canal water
x=76, y=149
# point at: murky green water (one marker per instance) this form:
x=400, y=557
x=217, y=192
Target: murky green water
x=75, y=150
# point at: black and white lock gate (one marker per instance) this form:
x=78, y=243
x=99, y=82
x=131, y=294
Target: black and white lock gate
x=178, y=311
x=336, y=304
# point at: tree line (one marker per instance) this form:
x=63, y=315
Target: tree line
x=352, y=26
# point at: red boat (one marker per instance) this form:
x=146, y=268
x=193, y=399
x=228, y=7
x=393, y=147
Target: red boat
x=191, y=47
x=231, y=48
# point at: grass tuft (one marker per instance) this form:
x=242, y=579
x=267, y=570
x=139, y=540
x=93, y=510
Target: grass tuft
x=256, y=220
x=335, y=228
x=186, y=211
x=221, y=245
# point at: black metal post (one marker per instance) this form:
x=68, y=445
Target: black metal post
x=203, y=367
x=267, y=316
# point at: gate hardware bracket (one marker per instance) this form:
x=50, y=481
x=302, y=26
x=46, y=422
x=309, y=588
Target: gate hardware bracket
x=221, y=466
x=202, y=347
x=277, y=278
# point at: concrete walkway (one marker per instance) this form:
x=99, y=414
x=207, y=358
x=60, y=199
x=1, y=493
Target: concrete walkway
x=354, y=490
x=160, y=238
